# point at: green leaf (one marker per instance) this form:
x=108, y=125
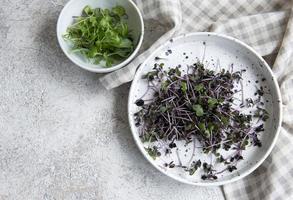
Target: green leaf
x=165, y=85
x=93, y=20
x=124, y=43
x=92, y=52
x=212, y=102
x=188, y=127
x=109, y=61
x=184, y=87
x=88, y=10
x=124, y=53
x=98, y=59
x=119, y=10
x=101, y=34
x=148, y=137
x=150, y=75
x=194, y=166
x=198, y=110
x=122, y=29
x=207, y=133
x=98, y=12
x=199, y=88
x=163, y=109
x=192, y=170
x=225, y=120
x=202, y=126
x=177, y=71
x=153, y=152
x=211, y=127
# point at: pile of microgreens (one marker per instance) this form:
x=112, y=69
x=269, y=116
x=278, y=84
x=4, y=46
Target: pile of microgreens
x=197, y=105
x=101, y=34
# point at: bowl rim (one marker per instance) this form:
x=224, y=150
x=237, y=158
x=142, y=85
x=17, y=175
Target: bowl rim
x=101, y=69
x=279, y=117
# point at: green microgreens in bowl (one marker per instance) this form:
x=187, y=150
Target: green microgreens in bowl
x=198, y=105
x=101, y=35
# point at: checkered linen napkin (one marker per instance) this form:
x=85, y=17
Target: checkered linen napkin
x=267, y=26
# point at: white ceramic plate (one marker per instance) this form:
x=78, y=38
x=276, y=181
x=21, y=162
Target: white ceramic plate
x=75, y=7
x=215, y=51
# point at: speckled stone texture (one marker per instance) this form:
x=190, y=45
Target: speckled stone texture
x=62, y=135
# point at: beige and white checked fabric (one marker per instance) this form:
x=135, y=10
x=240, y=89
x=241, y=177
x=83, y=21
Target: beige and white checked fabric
x=267, y=26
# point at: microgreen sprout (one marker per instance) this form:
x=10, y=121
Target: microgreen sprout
x=101, y=35
x=197, y=106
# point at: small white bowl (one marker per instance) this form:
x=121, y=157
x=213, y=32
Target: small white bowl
x=75, y=7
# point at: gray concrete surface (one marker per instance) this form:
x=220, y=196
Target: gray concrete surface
x=62, y=135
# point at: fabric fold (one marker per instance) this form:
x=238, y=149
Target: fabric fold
x=263, y=32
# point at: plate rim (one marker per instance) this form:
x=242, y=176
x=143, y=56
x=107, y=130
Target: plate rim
x=279, y=117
